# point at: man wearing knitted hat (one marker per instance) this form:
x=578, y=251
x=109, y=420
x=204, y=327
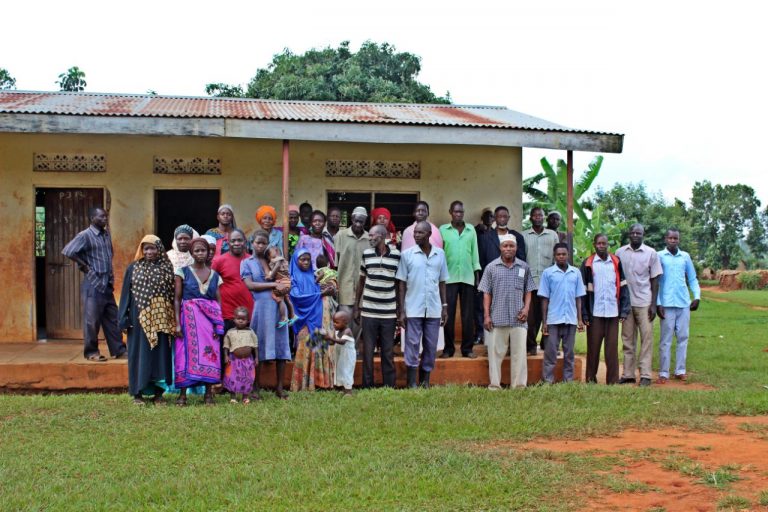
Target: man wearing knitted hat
x=350, y=244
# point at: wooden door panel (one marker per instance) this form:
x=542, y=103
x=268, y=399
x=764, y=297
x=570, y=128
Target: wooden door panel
x=66, y=214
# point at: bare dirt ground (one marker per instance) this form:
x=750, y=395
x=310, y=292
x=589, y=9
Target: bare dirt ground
x=675, y=470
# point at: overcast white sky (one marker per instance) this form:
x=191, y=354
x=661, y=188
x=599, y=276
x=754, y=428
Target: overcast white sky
x=684, y=81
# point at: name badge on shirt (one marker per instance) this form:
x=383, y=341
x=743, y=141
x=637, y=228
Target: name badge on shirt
x=521, y=272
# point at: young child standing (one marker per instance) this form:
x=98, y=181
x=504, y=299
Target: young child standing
x=240, y=358
x=279, y=273
x=344, y=352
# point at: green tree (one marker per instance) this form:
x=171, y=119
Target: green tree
x=629, y=203
x=72, y=80
x=723, y=216
x=6, y=80
x=375, y=73
x=221, y=90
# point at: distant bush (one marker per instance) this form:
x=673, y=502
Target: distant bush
x=749, y=280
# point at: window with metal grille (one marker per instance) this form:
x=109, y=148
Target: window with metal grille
x=400, y=205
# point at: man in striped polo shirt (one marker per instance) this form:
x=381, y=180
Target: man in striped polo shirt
x=379, y=307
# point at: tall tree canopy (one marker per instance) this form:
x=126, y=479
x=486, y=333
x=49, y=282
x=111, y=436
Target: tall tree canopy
x=724, y=216
x=72, y=80
x=629, y=203
x=6, y=80
x=375, y=73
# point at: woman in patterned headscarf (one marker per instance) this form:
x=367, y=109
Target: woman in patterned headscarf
x=179, y=255
x=146, y=313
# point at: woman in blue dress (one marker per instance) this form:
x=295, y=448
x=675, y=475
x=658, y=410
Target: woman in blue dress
x=273, y=340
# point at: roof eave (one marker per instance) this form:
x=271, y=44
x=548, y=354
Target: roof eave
x=311, y=131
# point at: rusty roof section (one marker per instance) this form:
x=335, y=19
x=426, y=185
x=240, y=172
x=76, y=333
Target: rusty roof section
x=139, y=105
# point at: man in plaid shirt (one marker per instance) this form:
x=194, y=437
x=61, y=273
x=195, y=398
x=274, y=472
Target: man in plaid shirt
x=506, y=285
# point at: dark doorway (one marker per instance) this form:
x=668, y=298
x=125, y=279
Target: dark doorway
x=400, y=204
x=196, y=207
x=60, y=214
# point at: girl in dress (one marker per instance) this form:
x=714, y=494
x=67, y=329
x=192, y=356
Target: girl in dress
x=240, y=357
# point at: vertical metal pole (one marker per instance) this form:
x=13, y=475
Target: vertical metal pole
x=569, y=205
x=286, y=194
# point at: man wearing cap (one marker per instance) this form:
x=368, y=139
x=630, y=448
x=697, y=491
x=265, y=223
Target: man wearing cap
x=506, y=284
x=350, y=243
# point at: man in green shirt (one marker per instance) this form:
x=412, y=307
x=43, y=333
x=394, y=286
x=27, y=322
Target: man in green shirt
x=460, y=246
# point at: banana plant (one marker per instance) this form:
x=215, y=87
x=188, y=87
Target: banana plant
x=555, y=196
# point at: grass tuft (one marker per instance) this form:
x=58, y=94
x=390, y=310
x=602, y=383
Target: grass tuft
x=733, y=502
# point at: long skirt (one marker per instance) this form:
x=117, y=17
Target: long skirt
x=313, y=366
x=197, y=353
x=239, y=374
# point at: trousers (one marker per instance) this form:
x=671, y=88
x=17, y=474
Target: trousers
x=676, y=322
x=455, y=292
x=100, y=313
x=603, y=330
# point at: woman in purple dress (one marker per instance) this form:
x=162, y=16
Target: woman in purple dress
x=197, y=305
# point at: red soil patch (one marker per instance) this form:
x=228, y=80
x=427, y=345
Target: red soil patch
x=668, y=467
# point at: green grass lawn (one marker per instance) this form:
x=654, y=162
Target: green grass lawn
x=380, y=450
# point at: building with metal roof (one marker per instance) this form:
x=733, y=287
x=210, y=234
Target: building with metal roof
x=155, y=162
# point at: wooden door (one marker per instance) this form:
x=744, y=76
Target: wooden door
x=66, y=214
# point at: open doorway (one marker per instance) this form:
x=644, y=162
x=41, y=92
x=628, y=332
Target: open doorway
x=60, y=214
x=196, y=207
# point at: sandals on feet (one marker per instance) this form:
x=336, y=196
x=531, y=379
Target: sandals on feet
x=208, y=400
x=282, y=395
x=96, y=358
x=181, y=401
x=138, y=401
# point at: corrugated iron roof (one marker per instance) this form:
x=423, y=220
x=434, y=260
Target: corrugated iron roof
x=138, y=105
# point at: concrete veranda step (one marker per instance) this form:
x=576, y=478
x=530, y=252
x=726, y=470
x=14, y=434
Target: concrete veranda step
x=60, y=366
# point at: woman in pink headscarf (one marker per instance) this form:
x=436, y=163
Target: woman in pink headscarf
x=383, y=217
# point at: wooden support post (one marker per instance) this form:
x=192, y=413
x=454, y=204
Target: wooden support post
x=569, y=205
x=286, y=194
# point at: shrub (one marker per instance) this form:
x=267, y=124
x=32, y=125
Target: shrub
x=749, y=280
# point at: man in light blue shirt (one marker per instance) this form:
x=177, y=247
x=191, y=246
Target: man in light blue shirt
x=560, y=290
x=422, y=274
x=674, y=304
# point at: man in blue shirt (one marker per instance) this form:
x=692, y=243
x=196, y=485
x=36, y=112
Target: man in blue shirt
x=674, y=304
x=560, y=289
x=422, y=274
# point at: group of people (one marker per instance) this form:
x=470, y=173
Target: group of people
x=206, y=314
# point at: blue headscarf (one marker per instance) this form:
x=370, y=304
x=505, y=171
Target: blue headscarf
x=305, y=296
